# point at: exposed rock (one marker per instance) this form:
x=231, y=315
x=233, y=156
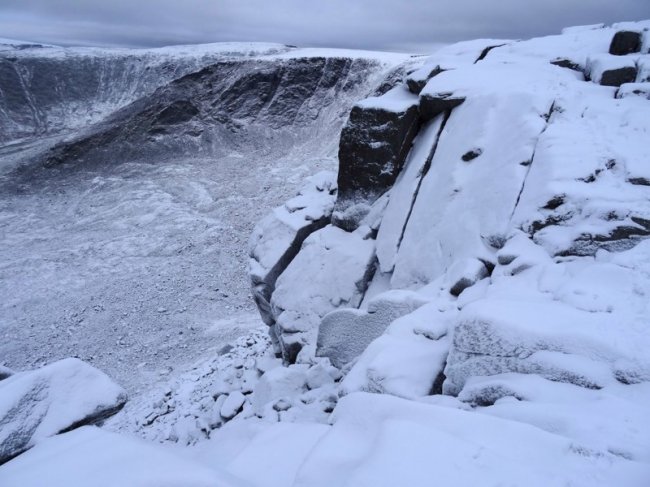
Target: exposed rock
x=567, y=63
x=5, y=372
x=58, y=397
x=226, y=104
x=416, y=82
x=472, y=154
x=276, y=240
x=625, y=42
x=465, y=273
x=345, y=333
x=373, y=146
x=433, y=104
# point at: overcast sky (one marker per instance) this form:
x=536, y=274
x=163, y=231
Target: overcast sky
x=408, y=25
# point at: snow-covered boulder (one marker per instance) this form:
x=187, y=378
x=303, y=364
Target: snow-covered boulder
x=408, y=359
x=55, y=398
x=277, y=238
x=345, y=333
x=331, y=270
x=609, y=70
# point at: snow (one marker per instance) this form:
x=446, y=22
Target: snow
x=397, y=100
x=421, y=442
x=90, y=456
x=402, y=195
x=41, y=403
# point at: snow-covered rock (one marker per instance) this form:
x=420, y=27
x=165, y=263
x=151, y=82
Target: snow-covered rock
x=277, y=238
x=55, y=398
x=331, y=270
x=345, y=333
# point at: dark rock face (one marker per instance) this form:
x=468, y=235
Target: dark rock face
x=374, y=144
x=433, y=105
x=617, y=77
x=625, y=42
x=222, y=106
x=47, y=95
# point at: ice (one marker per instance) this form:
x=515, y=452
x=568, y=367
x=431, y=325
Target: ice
x=43, y=402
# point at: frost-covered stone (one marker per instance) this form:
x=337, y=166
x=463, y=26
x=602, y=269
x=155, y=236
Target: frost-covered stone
x=331, y=270
x=232, y=404
x=55, y=398
x=345, y=333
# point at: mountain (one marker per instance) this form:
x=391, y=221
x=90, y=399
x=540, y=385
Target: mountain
x=464, y=302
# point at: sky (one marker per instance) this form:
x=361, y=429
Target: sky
x=394, y=25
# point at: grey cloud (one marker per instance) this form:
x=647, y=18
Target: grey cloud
x=377, y=24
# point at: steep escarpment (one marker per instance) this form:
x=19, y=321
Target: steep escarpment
x=231, y=105
x=47, y=90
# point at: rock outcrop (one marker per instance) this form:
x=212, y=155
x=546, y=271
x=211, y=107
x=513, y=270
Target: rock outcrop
x=56, y=398
x=514, y=214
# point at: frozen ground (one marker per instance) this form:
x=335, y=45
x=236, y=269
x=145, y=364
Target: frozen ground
x=137, y=267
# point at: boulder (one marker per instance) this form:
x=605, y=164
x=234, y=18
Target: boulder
x=55, y=398
x=609, y=70
x=433, y=104
x=232, y=405
x=345, y=333
x=625, y=42
x=331, y=270
x=5, y=372
x=276, y=240
x=373, y=146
